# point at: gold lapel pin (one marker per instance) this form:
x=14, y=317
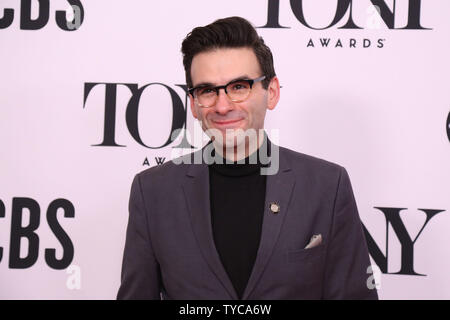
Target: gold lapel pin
x=274, y=207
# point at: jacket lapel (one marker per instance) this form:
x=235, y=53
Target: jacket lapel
x=278, y=190
x=196, y=191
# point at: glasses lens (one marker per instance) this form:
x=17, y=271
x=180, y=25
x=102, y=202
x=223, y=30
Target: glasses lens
x=238, y=91
x=206, y=96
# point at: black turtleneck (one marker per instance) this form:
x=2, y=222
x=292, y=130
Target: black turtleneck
x=237, y=195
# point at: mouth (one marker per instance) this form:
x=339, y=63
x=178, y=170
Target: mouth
x=227, y=124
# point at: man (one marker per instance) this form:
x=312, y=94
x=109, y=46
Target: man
x=224, y=230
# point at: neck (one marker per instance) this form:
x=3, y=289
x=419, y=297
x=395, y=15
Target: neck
x=240, y=151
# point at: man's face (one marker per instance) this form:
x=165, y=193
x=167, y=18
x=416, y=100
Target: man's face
x=219, y=67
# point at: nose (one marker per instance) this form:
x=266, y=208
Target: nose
x=223, y=103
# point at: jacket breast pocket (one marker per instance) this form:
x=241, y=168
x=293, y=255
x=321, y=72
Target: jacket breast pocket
x=306, y=255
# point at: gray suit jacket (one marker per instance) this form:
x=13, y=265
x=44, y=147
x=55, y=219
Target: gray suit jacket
x=170, y=252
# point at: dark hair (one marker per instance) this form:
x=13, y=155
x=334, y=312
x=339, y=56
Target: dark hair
x=232, y=32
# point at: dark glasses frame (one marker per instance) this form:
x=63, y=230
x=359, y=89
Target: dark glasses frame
x=250, y=82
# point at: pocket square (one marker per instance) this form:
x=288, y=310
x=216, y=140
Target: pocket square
x=315, y=241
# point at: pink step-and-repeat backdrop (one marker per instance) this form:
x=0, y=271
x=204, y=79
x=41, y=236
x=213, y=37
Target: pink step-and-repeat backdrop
x=365, y=83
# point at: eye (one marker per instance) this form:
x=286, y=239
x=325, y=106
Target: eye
x=239, y=86
x=205, y=91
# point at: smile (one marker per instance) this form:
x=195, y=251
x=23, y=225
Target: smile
x=227, y=124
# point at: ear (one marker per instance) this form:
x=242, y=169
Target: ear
x=273, y=93
x=192, y=104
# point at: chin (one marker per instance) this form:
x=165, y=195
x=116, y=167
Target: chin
x=234, y=140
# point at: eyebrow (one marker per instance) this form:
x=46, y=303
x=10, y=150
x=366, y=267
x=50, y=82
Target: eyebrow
x=209, y=84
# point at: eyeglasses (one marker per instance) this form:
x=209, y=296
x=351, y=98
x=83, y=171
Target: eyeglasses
x=236, y=90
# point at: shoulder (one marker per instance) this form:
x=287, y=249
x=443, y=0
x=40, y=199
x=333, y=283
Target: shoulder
x=169, y=173
x=311, y=167
x=321, y=179
x=167, y=168
x=298, y=159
